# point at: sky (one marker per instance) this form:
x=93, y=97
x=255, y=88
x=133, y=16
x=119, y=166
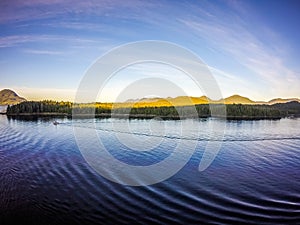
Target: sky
x=250, y=47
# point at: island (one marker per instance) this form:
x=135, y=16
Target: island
x=181, y=107
x=147, y=111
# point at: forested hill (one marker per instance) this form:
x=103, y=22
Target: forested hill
x=289, y=108
x=234, y=111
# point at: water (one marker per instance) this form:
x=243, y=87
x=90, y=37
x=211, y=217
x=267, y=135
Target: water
x=3, y=108
x=254, y=179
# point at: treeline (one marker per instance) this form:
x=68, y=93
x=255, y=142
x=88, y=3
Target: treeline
x=39, y=107
x=234, y=111
x=289, y=108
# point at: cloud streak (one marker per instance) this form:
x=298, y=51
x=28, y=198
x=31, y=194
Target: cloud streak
x=232, y=35
x=18, y=10
x=43, y=52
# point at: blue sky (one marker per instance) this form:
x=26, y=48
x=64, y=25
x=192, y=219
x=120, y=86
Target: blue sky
x=251, y=47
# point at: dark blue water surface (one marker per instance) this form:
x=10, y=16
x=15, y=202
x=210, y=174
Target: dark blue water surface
x=254, y=179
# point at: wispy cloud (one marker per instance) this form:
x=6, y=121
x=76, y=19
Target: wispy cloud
x=63, y=41
x=233, y=36
x=16, y=11
x=43, y=52
x=9, y=41
x=15, y=39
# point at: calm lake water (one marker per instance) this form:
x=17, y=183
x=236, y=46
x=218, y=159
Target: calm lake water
x=254, y=179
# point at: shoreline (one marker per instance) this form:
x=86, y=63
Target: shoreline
x=139, y=116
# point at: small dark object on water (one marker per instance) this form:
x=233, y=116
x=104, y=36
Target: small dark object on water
x=55, y=123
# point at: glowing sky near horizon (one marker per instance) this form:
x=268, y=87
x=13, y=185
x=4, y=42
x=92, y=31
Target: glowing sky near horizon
x=251, y=47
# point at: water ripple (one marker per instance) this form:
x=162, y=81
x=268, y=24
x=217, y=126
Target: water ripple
x=45, y=180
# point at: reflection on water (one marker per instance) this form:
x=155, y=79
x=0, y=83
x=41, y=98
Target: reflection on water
x=254, y=178
x=3, y=108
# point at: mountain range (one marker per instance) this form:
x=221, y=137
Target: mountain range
x=9, y=97
x=186, y=100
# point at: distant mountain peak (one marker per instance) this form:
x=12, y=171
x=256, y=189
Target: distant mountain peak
x=9, y=97
x=237, y=99
x=283, y=100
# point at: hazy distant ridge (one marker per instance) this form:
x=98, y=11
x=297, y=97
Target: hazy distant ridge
x=186, y=100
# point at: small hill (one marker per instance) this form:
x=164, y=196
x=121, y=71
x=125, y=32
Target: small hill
x=186, y=100
x=237, y=99
x=9, y=97
x=177, y=101
x=149, y=99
